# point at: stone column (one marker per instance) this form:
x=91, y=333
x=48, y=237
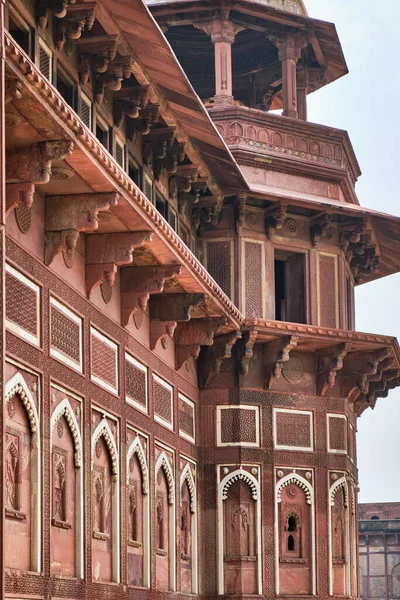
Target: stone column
x=302, y=89
x=289, y=49
x=222, y=32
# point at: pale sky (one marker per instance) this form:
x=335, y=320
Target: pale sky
x=366, y=103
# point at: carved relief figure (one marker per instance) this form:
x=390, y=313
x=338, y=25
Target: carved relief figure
x=12, y=472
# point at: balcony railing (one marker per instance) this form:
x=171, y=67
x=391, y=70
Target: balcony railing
x=379, y=526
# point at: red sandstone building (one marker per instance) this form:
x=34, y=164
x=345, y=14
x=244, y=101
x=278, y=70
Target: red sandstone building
x=181, y=374
x=379, y=539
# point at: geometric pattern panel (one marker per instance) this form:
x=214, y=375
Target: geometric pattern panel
x=337, y=434
x=219, y=264
x=104, y=361
x=238, y=426
x=293, y=430
x=163, y=402
x=135, y=383
x=65, y=335
x=186, y=415
x=254, y=279
x=328, y=291
x=22, y=306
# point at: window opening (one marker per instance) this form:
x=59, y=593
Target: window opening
x=45, y=60
x=120, y=153
x=135, y=172
x=292, y=525
x=375, y=518
x=86, y=111
x=160, y=524
x=148, y=187
x=102, y=133
x=290, y=544
x=66, y=88
x=21, y=33
x=290, y=285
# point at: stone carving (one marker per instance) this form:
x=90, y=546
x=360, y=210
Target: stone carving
x=295, y=479
x=103, y=429
x=96, y=52
x=32, y=163
x=137, y=283
x=187, y=476
x=293, y=370
x=360, y=368
x=249, y=338
x=330, y=361
x=106, y=251
x=17, y=194
x=64, y=409
x=67, y=216
x=220, y=351
x=275, y=355
x=189, y=337
x=78, y=17
x=164, y=463
x=275, y=218
x=118, y=69
x=240, y=475
x=148, y=117
x=137, y=448
x=128, y=102
x=320, y=229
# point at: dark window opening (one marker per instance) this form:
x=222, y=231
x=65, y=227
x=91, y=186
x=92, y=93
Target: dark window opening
x=66, y=88
x=172, y=218
x=102, y=135
x=135, y=173
x=374, y=518
x=161, y=206
x=290, y=543
x=292, y=525
x=160, y=527
x=21, y=34
x=290, y=285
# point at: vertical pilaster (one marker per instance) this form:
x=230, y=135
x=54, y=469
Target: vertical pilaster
x=302, y=89
x=2, y=285
x=289, y=53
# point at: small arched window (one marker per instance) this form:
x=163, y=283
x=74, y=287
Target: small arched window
x=375, y=518
x=290, y=544
x=160, y=525
x=292, y=523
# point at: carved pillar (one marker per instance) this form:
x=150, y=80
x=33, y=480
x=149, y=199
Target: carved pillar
x=222, y=32
x=302, y=89
x=289, y=53
x=2, y=286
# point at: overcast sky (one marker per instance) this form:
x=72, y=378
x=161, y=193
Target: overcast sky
x=366, y=103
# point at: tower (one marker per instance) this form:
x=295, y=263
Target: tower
x=280, y=398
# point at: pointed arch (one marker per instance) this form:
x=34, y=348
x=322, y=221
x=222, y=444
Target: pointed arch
x=17, y=385
x=242, y=475
x=137, y=448
x=187, y=476
x=163, y=462
x=297, y=480
x=64, y=409
x=103, y=430
x=340, y=483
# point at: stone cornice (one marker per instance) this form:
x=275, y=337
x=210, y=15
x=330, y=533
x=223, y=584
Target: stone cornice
x=83, y=138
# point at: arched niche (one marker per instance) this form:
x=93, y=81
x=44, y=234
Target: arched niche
x=188, y=531
x=165, y=523
x=339, y=538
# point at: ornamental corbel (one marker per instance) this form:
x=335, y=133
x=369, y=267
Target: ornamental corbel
x=106, y=251
x=18, y=193
x=128, y=102
x=190, y=336
x=240, y=204
x=72, y=25
x=13, y=90
x=96, y=52
x=46, y=8
x=249, y=340
x=359, y=367
x=167, y=310
x=175, y=155
x=137, y=283
x=118, y=70
x=220, y=351
x=320, y=228
x=275, y=355
x=330, y=361
x=275, y=219
x=148, y=117
x=158, y=141
x=32, y=163
x=67, y=216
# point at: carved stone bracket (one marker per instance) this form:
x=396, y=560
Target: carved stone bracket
x=275, y=218
x=13, y=89
x=220, y=351
x=19, y=193
x=204, y=215
x=169, y=309
x=137, y=283
x=275, y=354
x=249, y=339
x=77, y=18
x=32, y=163
x=106, y=251
x=330, y=361
x=96, y=52
x=161, y=330
x=175, y=155
x=181, y=184
x=128, y=102
x=320, y=228
x=148, y=117
x=240, y=204
x=117, y=70
x=190, y=336
x=66, y=216
x=157, y=143
x=389, y=381
x=46, y=8
x=360, y=369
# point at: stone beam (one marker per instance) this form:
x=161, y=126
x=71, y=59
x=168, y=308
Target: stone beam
x=67, y=216
x=137, y=283
x=275, y=354
x=189, y=337
x=106, y=251
x=330, y=361
x=32, y=164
